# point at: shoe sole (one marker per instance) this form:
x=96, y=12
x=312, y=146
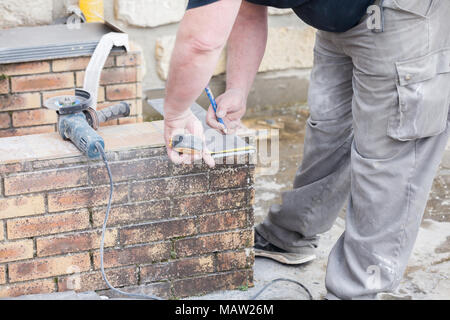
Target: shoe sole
x=284, y=258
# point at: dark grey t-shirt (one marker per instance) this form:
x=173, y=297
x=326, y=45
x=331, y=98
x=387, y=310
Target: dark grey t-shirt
x=327, y=15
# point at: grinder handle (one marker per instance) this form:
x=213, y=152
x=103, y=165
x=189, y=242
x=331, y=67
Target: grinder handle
x=114, y=112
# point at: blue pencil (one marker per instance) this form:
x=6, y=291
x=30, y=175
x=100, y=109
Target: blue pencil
x=214, y=104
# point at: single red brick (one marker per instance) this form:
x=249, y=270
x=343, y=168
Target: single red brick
x=79, y=79
x=118, y=75
x=121, y=91
x=2, y=275
x=70, y=64
x=231, y=178
x=21, y=101
x=16, y=250
x=12, y=167
x=111, y=76
x=5, y=120
x=169, y=187
x=34, y=117
x=222, y=221
x=86, y=197
x=130, y=170
x=46, y=180
x=177, y=269
x=46, y=225
x=42, y=82
x=101, y=94
x=209, y=283
x=30, y=287
x=58, y=163
x=251, y=197
x=79, y=63
x=49, y=267
x=132, y=213
x=26, y=131
x=157, y=231
x=14, y=207
x=184, y=169
x=212, y=243
x=234, y=260
x=4, y=85
x=2, y=231
x=134, y=255
x=91, y=281
x=77, y=242
x=213, y=202
x=131, y=59
x=25, y=68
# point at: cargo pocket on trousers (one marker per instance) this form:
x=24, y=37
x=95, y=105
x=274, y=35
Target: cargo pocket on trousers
x=424, y=97
x=419, y=8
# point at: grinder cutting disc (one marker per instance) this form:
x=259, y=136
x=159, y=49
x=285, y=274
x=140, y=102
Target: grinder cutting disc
x=70, y=104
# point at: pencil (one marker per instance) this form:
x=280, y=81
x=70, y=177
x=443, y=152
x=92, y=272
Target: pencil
x=214, y=105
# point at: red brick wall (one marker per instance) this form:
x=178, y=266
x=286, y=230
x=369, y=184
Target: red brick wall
x=25, y=86
x=182, y=230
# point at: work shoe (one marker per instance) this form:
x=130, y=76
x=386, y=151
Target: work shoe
x=264, y=248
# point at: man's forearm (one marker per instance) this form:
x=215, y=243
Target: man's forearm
x=202, y=35
x=246, y=46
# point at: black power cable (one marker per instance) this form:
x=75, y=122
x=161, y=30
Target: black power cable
x=146, y=296
x=102, y=243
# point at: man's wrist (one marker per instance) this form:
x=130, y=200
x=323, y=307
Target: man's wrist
x=239, y=88
x=172, y=114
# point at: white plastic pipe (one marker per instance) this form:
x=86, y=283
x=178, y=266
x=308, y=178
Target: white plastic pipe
x=98, y=59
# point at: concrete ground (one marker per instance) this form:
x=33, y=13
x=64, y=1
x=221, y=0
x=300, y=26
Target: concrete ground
x=427, y=276
x=428, y=272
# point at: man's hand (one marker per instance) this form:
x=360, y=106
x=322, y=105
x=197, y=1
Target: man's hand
x=230, y=107
x=180, y=124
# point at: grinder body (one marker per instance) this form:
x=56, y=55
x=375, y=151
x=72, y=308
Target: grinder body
x=77, y=120
x=75, y=128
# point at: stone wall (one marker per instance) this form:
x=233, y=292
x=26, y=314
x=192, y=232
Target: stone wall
x=178, y=230
x=153, y=24
x=25, y=86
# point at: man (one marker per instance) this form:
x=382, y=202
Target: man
x=379, y=104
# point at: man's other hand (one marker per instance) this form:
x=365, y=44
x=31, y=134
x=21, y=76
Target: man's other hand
x=231, y=107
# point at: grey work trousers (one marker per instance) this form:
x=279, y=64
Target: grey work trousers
x=378, y=128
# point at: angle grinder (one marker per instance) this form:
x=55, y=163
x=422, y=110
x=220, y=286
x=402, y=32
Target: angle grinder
x=78, y=120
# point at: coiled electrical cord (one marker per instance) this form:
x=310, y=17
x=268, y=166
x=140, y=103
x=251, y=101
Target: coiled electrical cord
x=146, y=296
